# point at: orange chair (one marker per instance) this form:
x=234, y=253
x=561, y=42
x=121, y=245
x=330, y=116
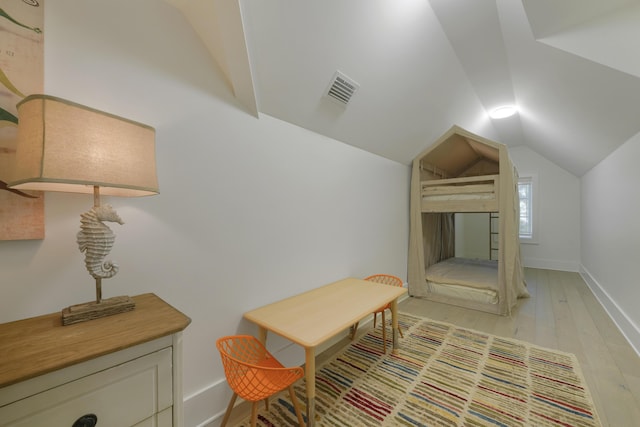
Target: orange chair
x=386, y=279
x=254, y=374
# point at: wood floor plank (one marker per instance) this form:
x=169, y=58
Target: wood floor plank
x=596, y=360
x=566, y=327
x=545, y=320
x=634, y=386
x=619, y=403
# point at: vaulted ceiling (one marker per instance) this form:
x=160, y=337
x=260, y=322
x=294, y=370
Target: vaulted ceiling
x=571, y=66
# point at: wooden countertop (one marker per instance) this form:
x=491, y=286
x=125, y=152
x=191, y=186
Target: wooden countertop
x=39, y=345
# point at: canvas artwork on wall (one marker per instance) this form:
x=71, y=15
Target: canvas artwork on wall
x=21, y=74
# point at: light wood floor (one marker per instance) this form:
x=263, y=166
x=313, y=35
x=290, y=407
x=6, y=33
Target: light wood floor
x=563, y=314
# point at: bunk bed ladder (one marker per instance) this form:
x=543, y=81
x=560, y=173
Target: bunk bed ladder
x=494, y=224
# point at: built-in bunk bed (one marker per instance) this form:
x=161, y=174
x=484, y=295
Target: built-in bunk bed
x=463, y=172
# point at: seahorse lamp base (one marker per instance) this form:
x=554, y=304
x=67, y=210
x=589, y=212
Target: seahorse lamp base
x=95, y=310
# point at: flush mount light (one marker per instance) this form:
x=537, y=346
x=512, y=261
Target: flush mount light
x=503, y=112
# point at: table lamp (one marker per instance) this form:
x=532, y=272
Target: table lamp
x=64, y=146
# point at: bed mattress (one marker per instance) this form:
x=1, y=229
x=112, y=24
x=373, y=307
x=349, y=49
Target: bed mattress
x=463, y=292
x=471, y=279
x=474, y=273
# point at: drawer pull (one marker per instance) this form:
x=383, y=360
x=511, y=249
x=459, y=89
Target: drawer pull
x=89, y=420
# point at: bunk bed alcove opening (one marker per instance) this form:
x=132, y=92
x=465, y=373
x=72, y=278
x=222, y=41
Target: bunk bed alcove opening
x=463, y=172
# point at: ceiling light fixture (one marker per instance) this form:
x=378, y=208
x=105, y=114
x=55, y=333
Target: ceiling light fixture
x=503, y=112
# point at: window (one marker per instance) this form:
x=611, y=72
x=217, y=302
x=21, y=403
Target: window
x=526, y=193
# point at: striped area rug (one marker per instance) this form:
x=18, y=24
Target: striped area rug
x=443, y=375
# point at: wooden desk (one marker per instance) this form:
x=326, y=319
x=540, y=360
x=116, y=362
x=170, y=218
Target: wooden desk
x=311, y=318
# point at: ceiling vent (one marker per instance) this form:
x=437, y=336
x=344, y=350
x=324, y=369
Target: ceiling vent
x=341, y=88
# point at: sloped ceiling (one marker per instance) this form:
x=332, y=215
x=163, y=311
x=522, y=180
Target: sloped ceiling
x=571, y=66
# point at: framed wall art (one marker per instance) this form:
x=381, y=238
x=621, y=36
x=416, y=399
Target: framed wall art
x=21, y=74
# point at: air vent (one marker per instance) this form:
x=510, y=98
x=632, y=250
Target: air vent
x=341, y=88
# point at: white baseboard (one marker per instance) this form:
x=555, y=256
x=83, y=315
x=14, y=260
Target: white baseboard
x=551, y=264
x=206, y=407
x=630, y=331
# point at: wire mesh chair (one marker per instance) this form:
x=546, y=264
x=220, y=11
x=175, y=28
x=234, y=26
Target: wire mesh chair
x=254, y=374
x=386, y=279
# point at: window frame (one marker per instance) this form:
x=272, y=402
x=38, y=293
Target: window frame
x=531, y=179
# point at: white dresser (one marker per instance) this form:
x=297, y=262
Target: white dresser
x=118, y=371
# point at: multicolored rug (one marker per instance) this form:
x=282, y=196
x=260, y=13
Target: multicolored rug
x=443, y=375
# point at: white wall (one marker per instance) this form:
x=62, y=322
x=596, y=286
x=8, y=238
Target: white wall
x=611, y=236
x=557, y=244
x=250, y=210
x=472, y=236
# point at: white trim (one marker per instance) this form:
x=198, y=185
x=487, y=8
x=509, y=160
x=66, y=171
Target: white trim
x=629, y=330
x=177, y=357
x=551, y=264
x=198, y=405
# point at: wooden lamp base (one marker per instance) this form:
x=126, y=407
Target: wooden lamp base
x=95, y=310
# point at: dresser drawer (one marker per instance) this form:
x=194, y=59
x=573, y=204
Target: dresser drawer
x=133, y=393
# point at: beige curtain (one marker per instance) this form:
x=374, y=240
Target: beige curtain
x=438, y=236
x=513, y=269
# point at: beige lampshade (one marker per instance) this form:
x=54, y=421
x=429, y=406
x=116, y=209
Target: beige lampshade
x=64, y=146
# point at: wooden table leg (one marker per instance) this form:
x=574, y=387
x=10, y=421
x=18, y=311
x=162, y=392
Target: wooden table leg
x=310, y=377
x=394, y=324
x=262, y=335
